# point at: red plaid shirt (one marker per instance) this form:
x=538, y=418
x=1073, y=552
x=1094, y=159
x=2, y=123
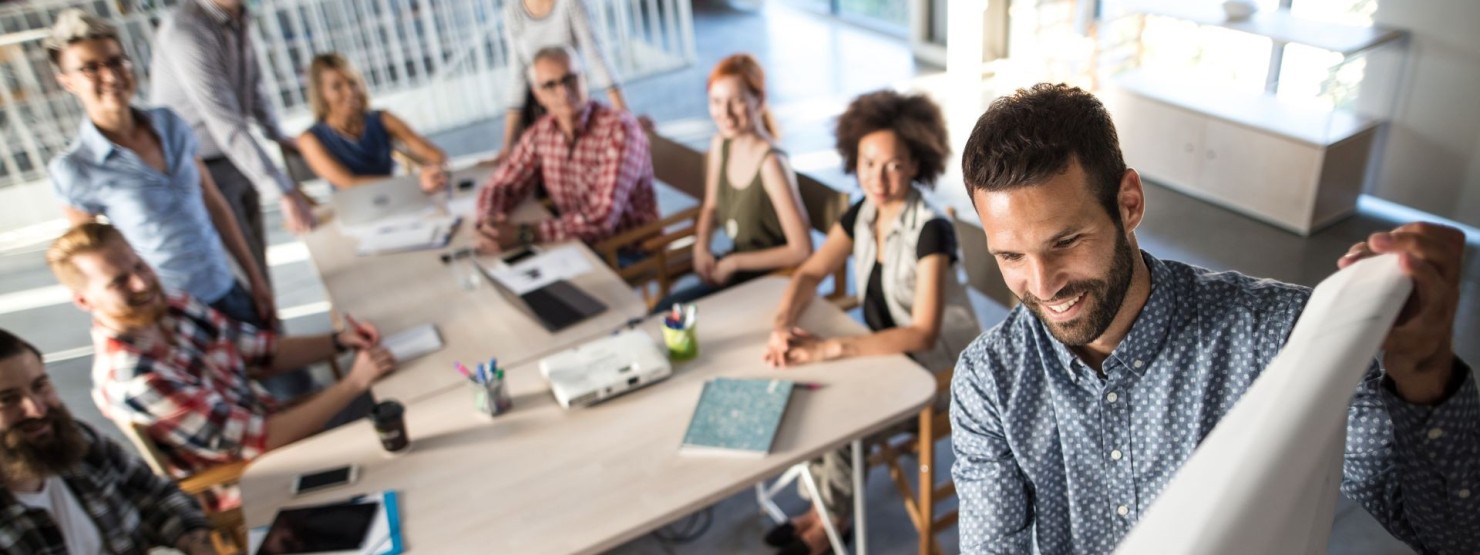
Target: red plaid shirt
x=188, y=385
x=601, y=184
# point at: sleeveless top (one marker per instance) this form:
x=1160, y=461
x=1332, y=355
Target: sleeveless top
x=370, y=154
x=747, y=215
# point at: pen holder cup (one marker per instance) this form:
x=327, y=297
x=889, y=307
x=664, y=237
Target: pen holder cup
x=491, y=398
x=683, y=344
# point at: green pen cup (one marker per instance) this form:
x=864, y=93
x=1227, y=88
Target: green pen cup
x=683, y=344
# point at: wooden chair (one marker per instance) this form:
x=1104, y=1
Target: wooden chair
x=664, y=245
x=920, y=500
x=824, y=206
x=228, y=527
x=982, y=273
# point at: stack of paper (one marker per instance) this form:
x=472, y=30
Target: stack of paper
x=405, y=233
x=559, y=263
x=413, y=342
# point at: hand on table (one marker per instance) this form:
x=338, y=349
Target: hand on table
x=358, y=335
x=1418, y=352
x=371, y=364
x=433, y=179
x=297, y=212
x=795, y=346
x=496, y=234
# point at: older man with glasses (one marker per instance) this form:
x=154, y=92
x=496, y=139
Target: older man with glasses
x=592, y=160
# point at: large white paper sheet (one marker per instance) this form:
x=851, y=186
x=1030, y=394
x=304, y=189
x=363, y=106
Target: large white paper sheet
x=560, y=263
x=1265, y=479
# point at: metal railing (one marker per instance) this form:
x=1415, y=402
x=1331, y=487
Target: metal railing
x=439, y=64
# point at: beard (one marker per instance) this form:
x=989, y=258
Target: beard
x=1104, y=295
x=143, y=309
x=22, y=457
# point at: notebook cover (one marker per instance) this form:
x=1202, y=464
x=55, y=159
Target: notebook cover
x=737, y=416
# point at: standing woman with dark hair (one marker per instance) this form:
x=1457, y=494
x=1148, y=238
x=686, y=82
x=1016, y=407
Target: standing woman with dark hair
x=350, y=144
x=904, y=253
x=749, y=188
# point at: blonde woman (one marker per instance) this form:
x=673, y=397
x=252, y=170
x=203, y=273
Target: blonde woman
x=350, y=144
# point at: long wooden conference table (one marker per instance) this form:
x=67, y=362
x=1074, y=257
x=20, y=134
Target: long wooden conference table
x=541, y=479
x=404, y=290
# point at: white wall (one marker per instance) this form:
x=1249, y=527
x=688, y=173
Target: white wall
x=1432, y=158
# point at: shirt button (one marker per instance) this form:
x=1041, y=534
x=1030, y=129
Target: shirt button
x=1122, y=510
x=1138, y=363
x=1111, y=397
x=1115, y=455
x=1435, y=433
x=1464, y=494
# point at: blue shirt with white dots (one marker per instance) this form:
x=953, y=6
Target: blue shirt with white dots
x=1050, y=453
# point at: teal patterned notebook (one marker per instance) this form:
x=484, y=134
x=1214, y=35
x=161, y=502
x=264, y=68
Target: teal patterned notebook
x=737, y=417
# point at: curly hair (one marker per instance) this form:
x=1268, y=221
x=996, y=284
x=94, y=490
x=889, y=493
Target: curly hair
x=914, y=118
x=1031, y=136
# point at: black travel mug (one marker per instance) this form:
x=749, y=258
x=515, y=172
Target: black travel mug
x=390, y=425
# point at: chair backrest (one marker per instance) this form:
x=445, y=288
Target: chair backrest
x=824, y=204
x=677, y=165
x=297, y=167
x=982, y=272
x=148, y=450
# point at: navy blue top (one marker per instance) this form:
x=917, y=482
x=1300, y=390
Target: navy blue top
x=370, y=154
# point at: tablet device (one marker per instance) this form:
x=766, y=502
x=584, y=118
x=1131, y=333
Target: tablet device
x=320, y=528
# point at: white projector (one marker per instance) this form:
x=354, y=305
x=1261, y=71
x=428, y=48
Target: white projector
x=604, y=368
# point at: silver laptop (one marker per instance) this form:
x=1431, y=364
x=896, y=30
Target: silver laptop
x=377, y=201
x=397, y=195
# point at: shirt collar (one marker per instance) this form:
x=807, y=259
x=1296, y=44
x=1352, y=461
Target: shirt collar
x=1147, y=335
x=219, y=14
x=93, y=140
x=911, y=199
x=100, y=146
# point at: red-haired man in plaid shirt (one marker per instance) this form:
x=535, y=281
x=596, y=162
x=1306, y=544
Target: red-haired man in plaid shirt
x=593, y=162
x=185, y=371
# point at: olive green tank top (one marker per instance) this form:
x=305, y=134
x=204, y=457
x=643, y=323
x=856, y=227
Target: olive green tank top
x=747, y=215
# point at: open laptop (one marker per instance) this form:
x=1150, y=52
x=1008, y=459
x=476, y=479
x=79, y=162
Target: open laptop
x=396, y=196
x=367, y=204
x=556, y=306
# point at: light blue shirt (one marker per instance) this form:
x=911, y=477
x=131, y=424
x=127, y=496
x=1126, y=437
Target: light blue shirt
x=163, y=215
x=1048, y=452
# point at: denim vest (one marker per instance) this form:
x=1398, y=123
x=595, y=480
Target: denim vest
x=958, y=326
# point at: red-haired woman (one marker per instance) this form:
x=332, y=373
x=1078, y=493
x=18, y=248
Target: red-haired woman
x=749, y=188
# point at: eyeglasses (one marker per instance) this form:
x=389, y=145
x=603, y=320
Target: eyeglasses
x=117, y=64
x=570, y=80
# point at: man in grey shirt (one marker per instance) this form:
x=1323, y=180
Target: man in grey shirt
x=205, y=69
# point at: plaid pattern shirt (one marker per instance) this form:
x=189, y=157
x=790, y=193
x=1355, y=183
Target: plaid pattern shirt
x=188, y=384
x=601, y=183
x=133, y=508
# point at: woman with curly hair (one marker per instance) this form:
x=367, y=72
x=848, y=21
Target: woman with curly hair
x=904, y=251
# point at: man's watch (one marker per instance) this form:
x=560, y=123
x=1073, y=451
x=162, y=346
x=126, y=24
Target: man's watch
x=339, y=346
x=526, y=235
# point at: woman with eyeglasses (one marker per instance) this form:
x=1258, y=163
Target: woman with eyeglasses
x=349, y=144
x=904, y=257
x=139, y=168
